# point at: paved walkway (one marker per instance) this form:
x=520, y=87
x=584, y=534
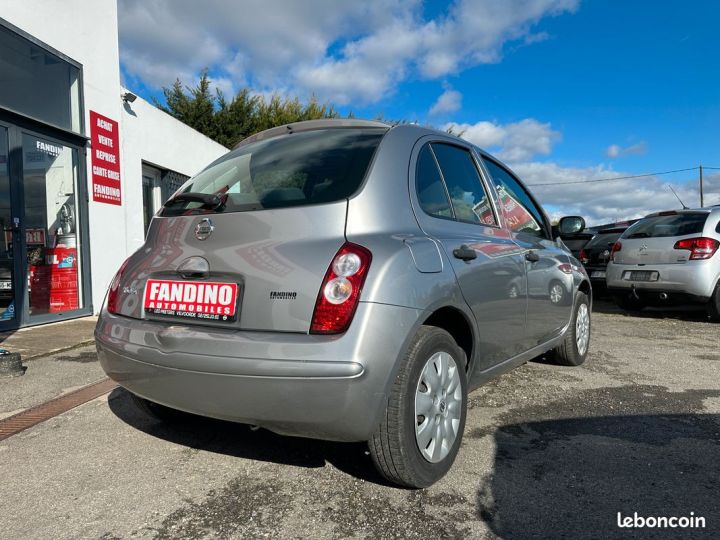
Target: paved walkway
x=38, y=341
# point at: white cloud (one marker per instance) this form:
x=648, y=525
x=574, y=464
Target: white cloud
x=367, y=71
x=604, y=202
x=348, y=52
x=528, y=138
x=514, y=142
x=615, y=151
x=711, y=189
x=521, y=142
x=474, y=31
x=484, y=134
x=449, y=101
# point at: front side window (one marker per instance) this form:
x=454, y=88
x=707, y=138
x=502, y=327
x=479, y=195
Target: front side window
x=521, y=213
x=467, y=194
x=311, y=167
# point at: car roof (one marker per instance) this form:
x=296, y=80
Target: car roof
x=309, y=125
x=705, y=210
x=339, y=123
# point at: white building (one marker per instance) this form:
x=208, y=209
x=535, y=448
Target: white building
x=83, y=163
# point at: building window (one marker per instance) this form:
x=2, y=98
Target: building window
x=157, y=187
x=152, y=199
x=37, y=83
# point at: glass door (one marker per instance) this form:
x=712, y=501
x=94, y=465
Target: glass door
x=50, y=223
x=7, y=285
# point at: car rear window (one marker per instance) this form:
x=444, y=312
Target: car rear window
x=603, y=239
x=668, y=225
x=311, y=167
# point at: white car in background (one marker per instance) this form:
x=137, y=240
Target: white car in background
x=668, y=258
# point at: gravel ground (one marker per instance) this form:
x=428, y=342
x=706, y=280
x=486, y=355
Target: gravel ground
x=548, y=452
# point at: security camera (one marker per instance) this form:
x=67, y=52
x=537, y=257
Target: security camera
x=128, y=97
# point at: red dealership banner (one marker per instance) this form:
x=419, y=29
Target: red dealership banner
x=105, y=159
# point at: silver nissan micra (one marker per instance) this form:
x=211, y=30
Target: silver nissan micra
x=345, y=280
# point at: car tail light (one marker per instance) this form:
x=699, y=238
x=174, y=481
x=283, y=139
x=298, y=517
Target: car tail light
x=566, y=268
x=617, y=246
x=700, y=248
x=112, y=297
x=340, y=290
x=583, y=257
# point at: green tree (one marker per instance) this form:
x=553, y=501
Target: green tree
x=192, y=106
x=230, y=121
x=234, y=120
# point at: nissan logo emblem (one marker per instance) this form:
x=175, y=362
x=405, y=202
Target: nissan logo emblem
x=204, y=229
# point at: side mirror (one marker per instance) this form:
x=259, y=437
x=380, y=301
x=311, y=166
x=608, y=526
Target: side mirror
x=571, y=225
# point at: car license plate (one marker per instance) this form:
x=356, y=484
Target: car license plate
x=198, y=300
x=598, y=274
x=641, y=275
x=5, y=285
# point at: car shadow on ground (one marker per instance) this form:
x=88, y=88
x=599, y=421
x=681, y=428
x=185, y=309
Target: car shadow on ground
x=681, y=313
x=569, y=477
x=239, y=440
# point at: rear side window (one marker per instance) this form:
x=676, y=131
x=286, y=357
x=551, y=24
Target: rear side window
x=298, y=169
x=669, y=225
x=467, y=194
x=431, y=191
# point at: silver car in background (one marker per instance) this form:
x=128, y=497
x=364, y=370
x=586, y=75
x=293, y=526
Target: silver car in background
x=344, y=280
x=668, y=258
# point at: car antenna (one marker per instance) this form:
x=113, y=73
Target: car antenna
x=676, y=196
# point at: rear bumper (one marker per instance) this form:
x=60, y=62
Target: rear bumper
x=661, y=298
x=326, y=387
x=590, y=269
x=694, y=279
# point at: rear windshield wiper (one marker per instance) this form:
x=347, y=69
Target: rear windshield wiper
x=208, y=200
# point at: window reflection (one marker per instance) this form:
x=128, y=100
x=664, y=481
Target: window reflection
x=469, y=200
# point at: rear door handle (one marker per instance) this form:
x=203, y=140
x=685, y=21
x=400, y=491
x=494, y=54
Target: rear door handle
x=532, y=256
x=464, y=253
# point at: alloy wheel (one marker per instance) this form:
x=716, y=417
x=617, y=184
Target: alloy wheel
x=582, y=328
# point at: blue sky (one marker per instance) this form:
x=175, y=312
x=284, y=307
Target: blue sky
x=562, y=90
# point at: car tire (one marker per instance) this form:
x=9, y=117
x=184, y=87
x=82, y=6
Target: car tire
x=628, y=303
x=157, y=411
x=433, y=365
x=574, y=348
x=714, y=305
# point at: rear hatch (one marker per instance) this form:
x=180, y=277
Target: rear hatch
x=247, y=242
x=652, y=239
